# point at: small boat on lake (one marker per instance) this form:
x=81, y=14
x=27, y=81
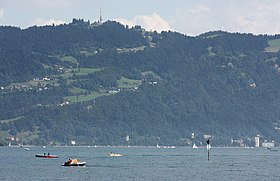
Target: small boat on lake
x=272, y=149
x=74, y=162
x=46, y=156
x=114, y=154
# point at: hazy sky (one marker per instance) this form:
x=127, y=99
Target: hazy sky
x=191, y=17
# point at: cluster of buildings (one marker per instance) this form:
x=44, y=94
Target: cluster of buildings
x=256, y=141
x=266, y=144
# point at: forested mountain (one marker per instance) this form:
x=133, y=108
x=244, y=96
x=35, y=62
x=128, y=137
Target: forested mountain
x=98, y=83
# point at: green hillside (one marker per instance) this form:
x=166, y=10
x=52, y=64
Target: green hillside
x=98, y=84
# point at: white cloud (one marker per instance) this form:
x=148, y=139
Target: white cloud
x=1, y=13
x=259, y=19
x=153, y=22
x=252, y=16
x=43, y=22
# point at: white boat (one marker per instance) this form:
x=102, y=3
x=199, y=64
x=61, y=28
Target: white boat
x=114, y=154
x=194, y=146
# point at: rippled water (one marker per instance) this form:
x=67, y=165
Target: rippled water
x=140, y=163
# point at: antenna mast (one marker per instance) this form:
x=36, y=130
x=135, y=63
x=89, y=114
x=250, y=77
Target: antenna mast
x=100, y=16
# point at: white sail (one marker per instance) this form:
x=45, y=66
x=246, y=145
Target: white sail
x=208, y=146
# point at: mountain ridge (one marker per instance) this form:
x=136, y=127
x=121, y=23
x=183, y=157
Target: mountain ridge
x=98, y=84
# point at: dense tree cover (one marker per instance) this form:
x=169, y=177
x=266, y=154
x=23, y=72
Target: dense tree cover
x=21, y=49
x=219, y=84
x=96, y=80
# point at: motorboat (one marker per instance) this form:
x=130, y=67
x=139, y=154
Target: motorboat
x=46, y=156
x=114, y=154
x=272, y=149
x=74, y=162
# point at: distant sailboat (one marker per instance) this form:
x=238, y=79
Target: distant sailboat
x=194, y=146
x=10, y=144
x=158, y=142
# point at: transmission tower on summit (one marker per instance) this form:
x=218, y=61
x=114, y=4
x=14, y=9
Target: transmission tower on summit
x=99, y=21
x=100, y=16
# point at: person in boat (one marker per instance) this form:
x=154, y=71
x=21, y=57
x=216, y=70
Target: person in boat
x=48, y=154
x=72, y=161
x=68, y=162
x=44, y=154
x=75, y=161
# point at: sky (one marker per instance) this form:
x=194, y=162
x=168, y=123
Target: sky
x=190, y=17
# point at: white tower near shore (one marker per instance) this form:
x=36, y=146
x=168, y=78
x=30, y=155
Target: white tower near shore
x=257, y=141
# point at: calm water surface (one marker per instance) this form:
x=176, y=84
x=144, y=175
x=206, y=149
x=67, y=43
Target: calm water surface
x=140, y=163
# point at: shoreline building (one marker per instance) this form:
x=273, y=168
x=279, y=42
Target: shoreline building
x=257, y=141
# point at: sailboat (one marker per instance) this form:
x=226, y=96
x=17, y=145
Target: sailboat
x=194, y=146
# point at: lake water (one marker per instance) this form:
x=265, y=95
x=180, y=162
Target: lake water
x=140, y=163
